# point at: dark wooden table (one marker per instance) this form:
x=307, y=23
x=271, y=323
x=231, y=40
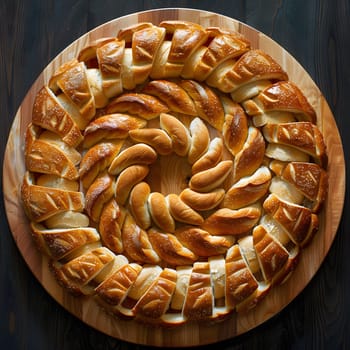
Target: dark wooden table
x=316, y=33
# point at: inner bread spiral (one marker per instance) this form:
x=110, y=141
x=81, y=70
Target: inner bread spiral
x=173, y=173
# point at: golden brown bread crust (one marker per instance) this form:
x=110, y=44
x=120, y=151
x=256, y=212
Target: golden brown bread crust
x=128, y=33
x=200, y=140
x=114, y=288
x=97, y=159
x=50, y=115
x=304, y=136
x=58, y=243
x=76, y=274
x=50, y=155
x=199, y=299
x=240, y=282
x=172, y=94
x=278, y=233
x=145, y=106
x=170, y=249
x=111, y=221
x=89, y=52
x=145, y=43
x=300, y=223
x=286, y=96
x=208, y=180
x=136, y=154
x=138, y=204
x=186, y=37
x=235, y=130
x=272, y=256
x=113, y=126
x=136, y=243
x=160, y=212
x=155, y=302
x=40, y=202
x=232, y=222
x=178, y=133
x=182, y=212
x=127, y=179
x=310, y=179
x=156, y=138
x=202, y=201
x=252, y=66
x=138, y=62
x=171, y=56
x=110, y=57
x=99, y=193
x=72, y=80
x=210, y=158
x=248, y=190
x=223, y=45
x=245, y=167
x=251, y=156
x=202, y=242
x=207, y=103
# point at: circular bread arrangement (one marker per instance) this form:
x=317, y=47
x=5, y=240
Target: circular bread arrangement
x=173, y=173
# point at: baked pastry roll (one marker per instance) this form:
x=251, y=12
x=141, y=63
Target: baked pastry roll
x=304, y=136
x=41, y=202
x=49, y=113
x=109, y=127
x=110, y=225
x=115, y=287
x=299, y=222
x=71, y=78
x=76, y=274
x=58, y=243
x=172, y=94
x=97, y=159
x=186, y=37
x=241, y=285
x=223, y=45
x=47, y=153
x=252, y=66
x=199, y=298
x=171, y=249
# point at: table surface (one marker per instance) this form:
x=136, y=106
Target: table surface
x=315, y=32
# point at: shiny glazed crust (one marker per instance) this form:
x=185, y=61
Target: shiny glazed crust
x=174, y=174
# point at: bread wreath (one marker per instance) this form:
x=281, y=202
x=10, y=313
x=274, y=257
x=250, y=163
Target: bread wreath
x=256, y=173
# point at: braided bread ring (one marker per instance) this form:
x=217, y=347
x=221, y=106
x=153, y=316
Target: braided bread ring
x=242, y=152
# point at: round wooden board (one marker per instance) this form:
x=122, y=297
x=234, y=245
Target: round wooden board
x=191, y=334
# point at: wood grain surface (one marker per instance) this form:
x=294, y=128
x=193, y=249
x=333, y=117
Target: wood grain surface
x=191, y=334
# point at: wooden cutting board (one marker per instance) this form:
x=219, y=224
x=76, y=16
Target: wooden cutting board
x=189, y=334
